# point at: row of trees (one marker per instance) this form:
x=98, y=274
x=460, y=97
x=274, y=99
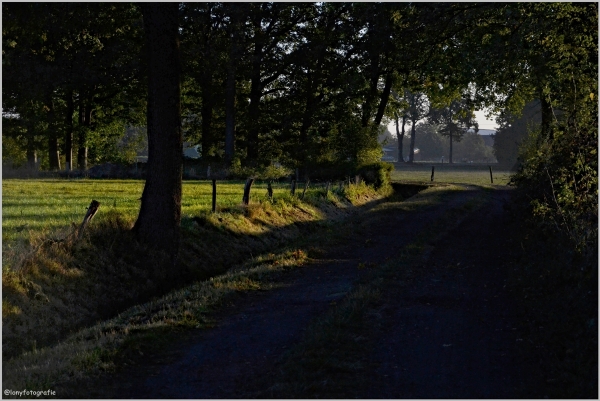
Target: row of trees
x=304, y=84
x=301, y=84
x=432, y=146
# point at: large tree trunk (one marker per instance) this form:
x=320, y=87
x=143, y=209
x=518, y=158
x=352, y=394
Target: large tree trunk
x=371, y=94
x=230, y=87
x=160, y=213
x=389, y=80
x=69, y=131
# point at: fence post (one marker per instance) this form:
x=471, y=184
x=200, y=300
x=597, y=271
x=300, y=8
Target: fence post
x=246, y=198
x=293, y=187
x=491, y=176
x=432, y=172
x=270, y=190
x=305, y=187
x=214, y=195
x=327, y=188
x=91, y=212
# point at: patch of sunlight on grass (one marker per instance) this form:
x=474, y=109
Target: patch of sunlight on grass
x=457, y=173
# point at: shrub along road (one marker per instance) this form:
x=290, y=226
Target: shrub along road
x=413, y=304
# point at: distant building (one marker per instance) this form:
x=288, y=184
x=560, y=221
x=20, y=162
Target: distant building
x=389, y=154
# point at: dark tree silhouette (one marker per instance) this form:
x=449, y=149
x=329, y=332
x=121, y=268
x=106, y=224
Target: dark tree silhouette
x=160, y=213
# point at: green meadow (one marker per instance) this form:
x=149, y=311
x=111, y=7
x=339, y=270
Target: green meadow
x=41, y=206
x=44, y=205
x=474, y=174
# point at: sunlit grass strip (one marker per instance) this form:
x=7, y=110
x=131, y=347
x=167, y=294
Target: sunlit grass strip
x=47, y=205
x=473, y=175
x=94, y=349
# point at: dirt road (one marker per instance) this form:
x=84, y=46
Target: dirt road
x=454, y=332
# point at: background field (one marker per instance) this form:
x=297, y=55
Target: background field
x=43, y=205
x=476, y=174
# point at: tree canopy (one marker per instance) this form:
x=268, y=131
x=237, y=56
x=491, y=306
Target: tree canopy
x=308, y=85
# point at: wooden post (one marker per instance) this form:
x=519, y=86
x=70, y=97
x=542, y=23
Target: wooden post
x=432, y=172
x=214, y=195
x=270, y=190
x=293, y=187
x=491, y=176
x=327, y=188
x=305, y=188
x=246, y=198
x=91, y=212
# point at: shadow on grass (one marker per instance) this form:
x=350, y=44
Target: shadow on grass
x=65, y=285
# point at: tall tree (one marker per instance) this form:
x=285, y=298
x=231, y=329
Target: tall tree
x=455, y=120
x=418, y=108
x=160, y=213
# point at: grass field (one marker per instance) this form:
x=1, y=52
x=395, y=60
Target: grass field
x=46, y=205
x=475, y=174
x=43, y=205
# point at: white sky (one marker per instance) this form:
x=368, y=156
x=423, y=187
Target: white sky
x=484, y=123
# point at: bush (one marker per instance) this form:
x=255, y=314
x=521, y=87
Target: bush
x=270, y=172
x=377, y=174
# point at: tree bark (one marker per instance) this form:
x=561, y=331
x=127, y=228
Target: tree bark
x=69, y=130
x=160, y=212
x=389, y=80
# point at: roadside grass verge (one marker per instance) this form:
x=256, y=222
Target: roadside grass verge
x=96, y=349
x=106, y=344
